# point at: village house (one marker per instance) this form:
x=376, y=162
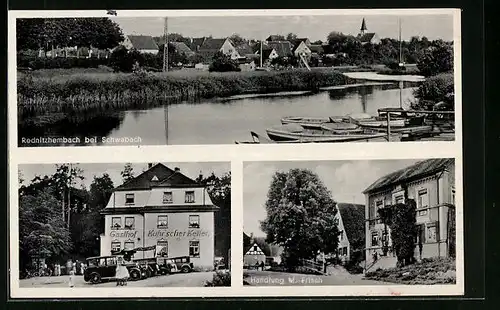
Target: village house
x=301, y=48
x=367, y=37
x=431, y=184
x=351, y=222
x=282, y=48
x=142, y=44
x=268, y=54
x=257, y=250
x=164, y=208
x=182, y=49
x=209, y=47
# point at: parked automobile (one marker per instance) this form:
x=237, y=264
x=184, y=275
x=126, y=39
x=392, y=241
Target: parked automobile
x=175, y=264
x=104, y=267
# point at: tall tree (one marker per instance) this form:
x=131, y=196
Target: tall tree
x=291, y=36
x=237, y=39
x=41, y=232
x=127, y=173
x=436, y=59
x=301, y=216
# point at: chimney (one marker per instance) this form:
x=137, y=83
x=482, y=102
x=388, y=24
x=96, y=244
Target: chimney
x=150, y=165
x=177, y=169
x=200, y=176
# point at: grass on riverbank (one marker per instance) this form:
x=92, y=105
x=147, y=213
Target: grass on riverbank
x=428, y=271
x=42, y=92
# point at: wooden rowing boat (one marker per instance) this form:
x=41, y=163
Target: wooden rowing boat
x=341, y=127
x=294, y=132
x=306, y=122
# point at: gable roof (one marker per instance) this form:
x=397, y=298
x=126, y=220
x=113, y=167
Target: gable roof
x=165, y=176
x=296, y=42
x=212, y=44
x=316, y=48
x=283, y=48
x=181, y=47
x=353, y=218
x=274, y=37
x=367, y=37
x=143, y=42
x=418, y=170
x=195, y=43
x=248, y=243
x=244, y=49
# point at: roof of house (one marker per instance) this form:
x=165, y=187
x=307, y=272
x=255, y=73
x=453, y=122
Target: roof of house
x=158, y=175
x=296, y=42
x=283, y=48
x=212, y=44
x=316, y=48
x=181, y=47
x=367, y=37
x=195, y=43
x=244, y=49
x=418, y=170
x=353, y=218
x=268, y=249
x=274, y=37
x=143, y=42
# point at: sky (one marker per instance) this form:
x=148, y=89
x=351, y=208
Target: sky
x=191, y=170
x=346, y=180
x=313, y=27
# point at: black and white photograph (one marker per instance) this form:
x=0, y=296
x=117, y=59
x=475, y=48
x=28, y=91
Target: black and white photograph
x=351, y=223
x=229, y=78
x=131, y=224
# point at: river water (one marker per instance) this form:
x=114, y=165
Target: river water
x=220, y=121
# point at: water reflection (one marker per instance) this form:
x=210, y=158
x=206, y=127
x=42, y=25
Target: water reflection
x=210, y=121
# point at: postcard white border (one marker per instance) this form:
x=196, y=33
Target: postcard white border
x=236, y=154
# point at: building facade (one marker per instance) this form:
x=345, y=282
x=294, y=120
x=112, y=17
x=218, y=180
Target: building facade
x=350, y=224
x=431, y=184
x=164, y=208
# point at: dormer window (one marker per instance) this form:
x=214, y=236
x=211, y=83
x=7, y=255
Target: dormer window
x=129, y=199
x=189, y=197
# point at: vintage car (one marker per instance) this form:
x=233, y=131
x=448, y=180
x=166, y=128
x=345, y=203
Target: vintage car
x=104, y=267
x=175, y=264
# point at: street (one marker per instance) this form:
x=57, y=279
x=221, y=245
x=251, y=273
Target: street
x=272, y=278
x=194, y=279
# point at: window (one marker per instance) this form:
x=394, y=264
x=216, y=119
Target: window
x=189, y=197
x=129, y=245
x=384, y=237
x=167, y=197
x=431, y=233
x=194, y=221
x=255, y=248
x=129, y=199
x=341, y=235
x=115, y=246
x=162, y=221
x=116, y=223
x=344, y=251
x=422, y=201
x=129, y=223
x=194, y=248
x=163, y=248
x=399, y=199
x=379, y=204
x=374, y=239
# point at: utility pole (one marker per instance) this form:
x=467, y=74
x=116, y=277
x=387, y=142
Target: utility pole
x=165, y=47
x=261, y=53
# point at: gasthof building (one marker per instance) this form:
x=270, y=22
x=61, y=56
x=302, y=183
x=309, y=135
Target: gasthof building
x=164, y=208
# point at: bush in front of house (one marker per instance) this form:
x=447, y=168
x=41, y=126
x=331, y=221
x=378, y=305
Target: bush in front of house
x=223, y=63
x=220, y=279
x=436, y=270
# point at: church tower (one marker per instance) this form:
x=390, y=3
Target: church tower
x=363, y=27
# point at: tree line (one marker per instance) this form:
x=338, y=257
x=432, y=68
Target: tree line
x=59, y=219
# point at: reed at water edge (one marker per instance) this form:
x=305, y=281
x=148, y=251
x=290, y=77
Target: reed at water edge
x=39, y=94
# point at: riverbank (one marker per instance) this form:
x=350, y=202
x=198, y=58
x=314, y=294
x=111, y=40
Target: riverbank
x=88, y=91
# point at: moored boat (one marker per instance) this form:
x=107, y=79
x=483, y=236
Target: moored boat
x=368, y=121
x=306, y=122
x=296, y=133
x=341, y=127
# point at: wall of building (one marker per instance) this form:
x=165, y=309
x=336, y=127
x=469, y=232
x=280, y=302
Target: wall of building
x=177, y=234
x=228, y=49
x=252, y=260
x=343, y=241
x=431, y=215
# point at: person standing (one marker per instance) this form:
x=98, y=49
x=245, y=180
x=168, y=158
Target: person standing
x=71, y=276
x=122, y=273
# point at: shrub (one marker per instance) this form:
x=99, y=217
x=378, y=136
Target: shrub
x=37, y=63
x=436, y=59
x=435, y=89
x=223, y=63
x=220, y=279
